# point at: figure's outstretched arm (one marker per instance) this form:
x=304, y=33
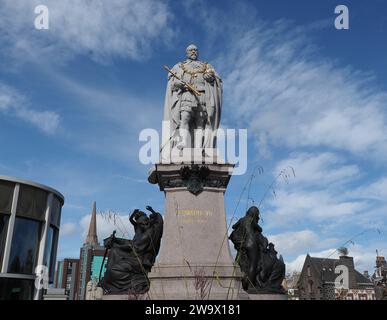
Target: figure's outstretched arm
x=236, y=225
x=149, y=208
x=155, y=217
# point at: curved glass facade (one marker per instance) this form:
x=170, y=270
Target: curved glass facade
x=29, y=228
x=24, y=247
x=3, y=234
x=6, y=195
x=32, y=203
x=50, y=251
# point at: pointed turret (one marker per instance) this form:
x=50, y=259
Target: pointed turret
x=92, y=238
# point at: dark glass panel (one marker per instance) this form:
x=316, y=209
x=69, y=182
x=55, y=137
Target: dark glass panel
x=55, y=211
x=32, y=203
x=25, y=246
x=48, y=248
x=6, y=196
x=3, y=234
x=50, y=251
x=16, y=289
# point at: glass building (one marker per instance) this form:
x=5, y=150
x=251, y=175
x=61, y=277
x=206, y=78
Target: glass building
x=29, y=228
x=91, y=257
x=66, y=276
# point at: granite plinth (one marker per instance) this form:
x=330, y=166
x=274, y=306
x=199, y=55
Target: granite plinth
x=267, y=296
x=195, y=260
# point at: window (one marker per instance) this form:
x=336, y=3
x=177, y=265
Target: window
x=3, y=234
x=6, y=196
x=308, y=271
x=16, y=289
x=25, y=246
x=32, y=203
x=310, y=286
x=49, y=252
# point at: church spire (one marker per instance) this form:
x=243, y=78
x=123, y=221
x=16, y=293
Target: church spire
x=92, y=238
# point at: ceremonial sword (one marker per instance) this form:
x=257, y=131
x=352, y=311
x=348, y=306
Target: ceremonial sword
x=189, y=86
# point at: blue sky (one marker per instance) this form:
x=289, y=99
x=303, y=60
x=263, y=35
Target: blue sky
x=74, y=98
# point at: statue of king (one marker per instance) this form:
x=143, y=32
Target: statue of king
x=193, y=103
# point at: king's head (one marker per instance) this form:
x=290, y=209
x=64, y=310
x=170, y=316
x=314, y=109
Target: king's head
x=192, y=52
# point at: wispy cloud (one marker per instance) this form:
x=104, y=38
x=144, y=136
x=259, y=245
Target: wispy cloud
x=376, y=190
x=99, y=29
x=15, y=104
x=322, y=206
x=289, y=96
x=68, y=229
x=295, y=242
x=317, y=191
x=319, y=168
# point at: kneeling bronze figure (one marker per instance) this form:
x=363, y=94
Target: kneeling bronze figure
x=129, y=261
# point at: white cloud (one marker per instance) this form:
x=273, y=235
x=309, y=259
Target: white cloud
x=312, y=205
x=376, y=190
x=296, y=264
x=101, y=29
x=68, y=229
x=289, y=96
x=318, y=192
x=13, y=103
x=294, y=242
x=319, y=168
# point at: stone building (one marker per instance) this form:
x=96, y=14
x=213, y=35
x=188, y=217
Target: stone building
x=66, y=276
x=318, y=276
x=380, y=278
x=290, y=285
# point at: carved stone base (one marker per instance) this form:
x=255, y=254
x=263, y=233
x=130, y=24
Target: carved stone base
x=196, y=283
x=194, y=247
x=125, y=297
x=266, y=296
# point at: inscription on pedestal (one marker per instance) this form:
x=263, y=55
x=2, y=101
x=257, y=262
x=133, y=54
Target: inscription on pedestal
x=194, y=216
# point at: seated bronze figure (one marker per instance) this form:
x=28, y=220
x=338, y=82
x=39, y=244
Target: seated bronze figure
x=257, y=258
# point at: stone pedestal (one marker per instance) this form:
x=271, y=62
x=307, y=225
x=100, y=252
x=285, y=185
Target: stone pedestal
x=125, y=297
x=267, y=296
x=195, y=261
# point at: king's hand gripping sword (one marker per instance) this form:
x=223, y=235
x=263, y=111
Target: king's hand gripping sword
x=189, y=86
